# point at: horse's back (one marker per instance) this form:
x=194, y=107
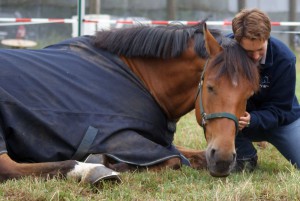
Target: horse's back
x=49, y=97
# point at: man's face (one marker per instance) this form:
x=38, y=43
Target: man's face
x=254, y=48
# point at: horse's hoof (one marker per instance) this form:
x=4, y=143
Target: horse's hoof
x=93, y=173
x=100, y=173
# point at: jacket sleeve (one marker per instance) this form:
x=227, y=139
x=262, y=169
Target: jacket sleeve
x=272, y=110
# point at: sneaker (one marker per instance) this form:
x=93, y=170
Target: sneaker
x=245, y=164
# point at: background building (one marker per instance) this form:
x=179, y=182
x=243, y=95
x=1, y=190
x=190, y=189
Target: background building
x=187, y=10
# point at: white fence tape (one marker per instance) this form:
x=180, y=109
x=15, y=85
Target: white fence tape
x=154, y=22
x=30, y=21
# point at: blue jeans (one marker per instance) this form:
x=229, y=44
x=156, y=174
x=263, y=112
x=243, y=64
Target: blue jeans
x=286, y=139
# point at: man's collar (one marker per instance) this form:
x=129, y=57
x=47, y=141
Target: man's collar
x=268, y=60
x=263, y=59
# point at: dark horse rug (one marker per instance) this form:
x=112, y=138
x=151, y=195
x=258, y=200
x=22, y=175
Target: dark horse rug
x=72, y=99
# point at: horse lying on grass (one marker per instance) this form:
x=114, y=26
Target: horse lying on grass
x=112, y=102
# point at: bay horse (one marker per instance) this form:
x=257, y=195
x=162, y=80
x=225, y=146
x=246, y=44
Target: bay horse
x=93, y=106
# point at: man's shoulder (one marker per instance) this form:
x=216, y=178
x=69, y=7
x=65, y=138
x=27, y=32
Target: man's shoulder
x=276, y=41
x=280, y=48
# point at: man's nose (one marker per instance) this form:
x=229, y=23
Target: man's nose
x=255, y=56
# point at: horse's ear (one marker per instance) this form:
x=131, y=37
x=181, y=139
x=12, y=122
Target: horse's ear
x=211, y=44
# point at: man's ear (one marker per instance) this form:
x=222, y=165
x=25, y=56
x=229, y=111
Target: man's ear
x=211, y=44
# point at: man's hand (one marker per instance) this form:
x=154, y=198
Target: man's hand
x=244, y=121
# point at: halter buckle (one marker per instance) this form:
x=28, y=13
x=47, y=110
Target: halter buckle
x=203, y=122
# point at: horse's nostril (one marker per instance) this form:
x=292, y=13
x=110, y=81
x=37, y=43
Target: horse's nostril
x=234, y=156
x=212, y=152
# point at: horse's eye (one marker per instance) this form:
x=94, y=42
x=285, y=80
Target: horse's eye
x=210, y=88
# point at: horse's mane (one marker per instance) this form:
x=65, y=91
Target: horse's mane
x=170, y=41
x=157, y=42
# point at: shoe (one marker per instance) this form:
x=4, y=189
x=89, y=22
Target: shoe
x=245, y=164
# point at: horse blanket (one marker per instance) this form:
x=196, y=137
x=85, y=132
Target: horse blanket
x=50, y=97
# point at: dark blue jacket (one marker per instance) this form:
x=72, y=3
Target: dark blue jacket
x=275, y=104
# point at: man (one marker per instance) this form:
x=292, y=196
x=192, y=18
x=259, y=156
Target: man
x=273, y=112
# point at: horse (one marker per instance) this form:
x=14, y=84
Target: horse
x=93, y=107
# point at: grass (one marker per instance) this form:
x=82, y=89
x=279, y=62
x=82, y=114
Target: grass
x=274, y=179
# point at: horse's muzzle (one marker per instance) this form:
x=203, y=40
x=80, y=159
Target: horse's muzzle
x=219, y=164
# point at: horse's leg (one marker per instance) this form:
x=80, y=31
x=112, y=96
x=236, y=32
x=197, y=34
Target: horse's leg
x=172, y=163
x=9, y=169
x=87, y=173
x=197, y=158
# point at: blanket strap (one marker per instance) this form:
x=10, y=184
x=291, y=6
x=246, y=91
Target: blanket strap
x=85, y=144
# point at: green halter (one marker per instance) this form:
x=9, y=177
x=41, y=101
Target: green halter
x=205, y=116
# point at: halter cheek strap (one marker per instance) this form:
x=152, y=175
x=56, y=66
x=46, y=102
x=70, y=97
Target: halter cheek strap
x=205, y=116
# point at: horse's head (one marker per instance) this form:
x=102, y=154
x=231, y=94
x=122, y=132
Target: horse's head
x=228, y=80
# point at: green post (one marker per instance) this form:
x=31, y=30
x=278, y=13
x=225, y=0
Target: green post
x=80, y=15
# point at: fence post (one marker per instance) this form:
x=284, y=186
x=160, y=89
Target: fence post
x=80, y=16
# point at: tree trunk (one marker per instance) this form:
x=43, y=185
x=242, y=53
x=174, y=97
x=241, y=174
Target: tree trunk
x=292, y=18
x=241, y=5
x=171, y=9
x=94, y=7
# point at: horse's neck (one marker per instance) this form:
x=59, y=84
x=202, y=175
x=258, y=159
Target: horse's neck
x=173, y=82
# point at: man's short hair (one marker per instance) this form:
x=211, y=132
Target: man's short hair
x=251, y=24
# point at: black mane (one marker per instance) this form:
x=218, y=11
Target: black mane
x=170, y=41
x=158, y=42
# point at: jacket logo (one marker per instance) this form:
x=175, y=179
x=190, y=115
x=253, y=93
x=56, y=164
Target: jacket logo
x=264, y=82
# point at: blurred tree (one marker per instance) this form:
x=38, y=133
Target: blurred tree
x=241, y=4
x=292, y=17
x=94, y=7
x=171, y=9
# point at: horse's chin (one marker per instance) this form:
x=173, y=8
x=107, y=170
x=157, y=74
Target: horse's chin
x=219, y=168
x=219, y=174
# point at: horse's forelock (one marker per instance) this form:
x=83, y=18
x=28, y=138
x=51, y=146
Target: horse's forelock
x=234, y=63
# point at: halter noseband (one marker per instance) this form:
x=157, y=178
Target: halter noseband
x=205, y=116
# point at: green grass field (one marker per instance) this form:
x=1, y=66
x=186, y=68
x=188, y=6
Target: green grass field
x=274, y=179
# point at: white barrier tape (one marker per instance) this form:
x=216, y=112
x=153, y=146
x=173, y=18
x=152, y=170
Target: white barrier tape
x=273, y=31
x=154, y=22
x=159, y=22
x=289, y=24
x=289, y=32
x=57, y=20
x=28, y=23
